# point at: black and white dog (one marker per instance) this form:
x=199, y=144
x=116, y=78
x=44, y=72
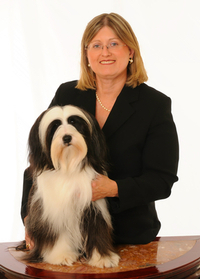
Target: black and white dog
x=66, y=152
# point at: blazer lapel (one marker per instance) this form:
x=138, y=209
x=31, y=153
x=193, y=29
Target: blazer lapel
x=121, y=110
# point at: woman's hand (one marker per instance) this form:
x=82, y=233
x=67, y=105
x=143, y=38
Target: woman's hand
x=103, y=187
x=29, y=242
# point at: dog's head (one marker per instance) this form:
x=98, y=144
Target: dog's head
x=66, y=138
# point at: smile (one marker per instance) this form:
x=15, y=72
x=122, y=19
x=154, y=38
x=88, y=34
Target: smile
x=104, y=62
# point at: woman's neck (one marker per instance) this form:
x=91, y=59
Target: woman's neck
x=109, y=88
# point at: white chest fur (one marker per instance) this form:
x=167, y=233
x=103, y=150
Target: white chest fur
x=64, y=195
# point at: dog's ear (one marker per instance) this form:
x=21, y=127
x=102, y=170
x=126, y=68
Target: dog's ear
x=97, y=149
x=37, y=157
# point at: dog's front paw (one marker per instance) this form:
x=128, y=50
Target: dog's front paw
x=60, y=258
x=67, y=261
x=97, y=260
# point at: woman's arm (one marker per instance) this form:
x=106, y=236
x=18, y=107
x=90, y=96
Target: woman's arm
x=160, y=155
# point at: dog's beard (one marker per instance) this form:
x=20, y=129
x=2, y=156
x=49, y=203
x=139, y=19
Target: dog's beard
x=68, y=157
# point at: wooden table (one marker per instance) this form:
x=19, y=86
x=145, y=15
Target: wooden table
x=166, y=257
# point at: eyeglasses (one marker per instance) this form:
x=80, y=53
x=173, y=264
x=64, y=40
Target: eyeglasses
x=98, y=47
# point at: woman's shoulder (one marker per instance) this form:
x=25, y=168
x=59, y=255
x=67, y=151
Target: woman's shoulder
x=149, y=92
x=152, y=99
x=69, y=85
x=65, y=94
x=148, y=98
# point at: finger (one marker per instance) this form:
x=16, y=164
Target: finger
x=94, y=183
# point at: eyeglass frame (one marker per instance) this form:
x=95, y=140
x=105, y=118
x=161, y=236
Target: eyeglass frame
x=102, y=46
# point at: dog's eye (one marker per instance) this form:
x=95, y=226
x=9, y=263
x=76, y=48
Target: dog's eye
x=53, y=126
x=51, y=130
x=56, y=124
x=79, y=124
x=71, y=120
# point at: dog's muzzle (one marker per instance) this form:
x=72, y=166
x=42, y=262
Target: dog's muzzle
x=67, y=139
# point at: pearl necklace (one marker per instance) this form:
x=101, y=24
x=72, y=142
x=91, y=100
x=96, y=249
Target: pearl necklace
x=97, y=97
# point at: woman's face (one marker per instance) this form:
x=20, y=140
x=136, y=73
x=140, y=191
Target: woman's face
x=111, y=62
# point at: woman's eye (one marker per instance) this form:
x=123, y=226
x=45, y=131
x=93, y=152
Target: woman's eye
x=113, y=44
x=97, y=46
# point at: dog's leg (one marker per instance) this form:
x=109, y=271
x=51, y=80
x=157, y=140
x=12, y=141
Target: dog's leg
x=62, y=253
x=98, y=234
x=101, y=261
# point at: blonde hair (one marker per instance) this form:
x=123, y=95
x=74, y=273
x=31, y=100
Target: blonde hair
x=136, y=73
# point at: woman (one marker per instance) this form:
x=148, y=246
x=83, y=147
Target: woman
x=137, y=123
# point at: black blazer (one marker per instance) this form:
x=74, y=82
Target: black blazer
x=143, y=148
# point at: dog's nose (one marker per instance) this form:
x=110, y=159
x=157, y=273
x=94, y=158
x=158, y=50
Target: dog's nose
x=67, y=139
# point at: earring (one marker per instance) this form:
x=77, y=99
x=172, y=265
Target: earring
x=89, y=65
x=130, y=60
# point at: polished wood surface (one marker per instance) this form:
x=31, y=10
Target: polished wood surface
x=166, y=257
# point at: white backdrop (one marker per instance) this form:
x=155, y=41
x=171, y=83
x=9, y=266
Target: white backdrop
x=40, y=48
